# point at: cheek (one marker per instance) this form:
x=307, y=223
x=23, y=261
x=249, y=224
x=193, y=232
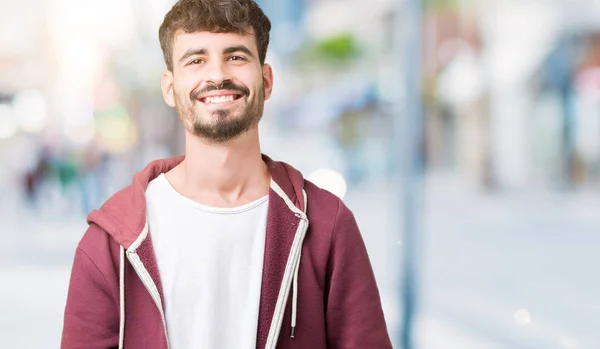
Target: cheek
x=248, y=76
x=184, y=83
x=255, y=82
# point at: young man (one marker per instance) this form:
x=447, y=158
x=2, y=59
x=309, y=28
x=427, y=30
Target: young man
x=224, y=247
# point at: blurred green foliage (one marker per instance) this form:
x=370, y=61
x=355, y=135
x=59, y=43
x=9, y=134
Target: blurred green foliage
x=336, y=49
x=442, y=4
x=339, y=47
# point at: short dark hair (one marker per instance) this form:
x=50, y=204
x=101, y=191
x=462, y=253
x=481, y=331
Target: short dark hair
x=217, y=16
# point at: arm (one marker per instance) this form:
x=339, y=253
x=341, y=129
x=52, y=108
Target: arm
x=92, y=312
x=354, y=314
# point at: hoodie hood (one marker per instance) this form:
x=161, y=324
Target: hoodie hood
x=123, y=216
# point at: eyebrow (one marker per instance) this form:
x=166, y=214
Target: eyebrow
x=238, y=48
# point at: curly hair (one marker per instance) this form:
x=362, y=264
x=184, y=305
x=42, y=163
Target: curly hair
x=216, y=16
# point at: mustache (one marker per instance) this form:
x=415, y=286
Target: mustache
x=226, y=85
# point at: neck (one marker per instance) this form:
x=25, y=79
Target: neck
x=224, y=175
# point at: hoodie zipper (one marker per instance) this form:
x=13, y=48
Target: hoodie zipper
x=143, y=274
x=286, y=284
x=303, y=230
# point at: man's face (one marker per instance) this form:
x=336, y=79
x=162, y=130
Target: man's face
x=217, y=85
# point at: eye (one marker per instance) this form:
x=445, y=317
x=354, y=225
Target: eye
x=195, y=61
x=237, y=58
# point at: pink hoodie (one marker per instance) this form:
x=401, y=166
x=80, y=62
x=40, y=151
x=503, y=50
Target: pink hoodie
x=316, y=274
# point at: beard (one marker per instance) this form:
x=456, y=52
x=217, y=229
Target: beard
x=221, y=125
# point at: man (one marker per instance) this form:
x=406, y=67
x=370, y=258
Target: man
x=223, y=248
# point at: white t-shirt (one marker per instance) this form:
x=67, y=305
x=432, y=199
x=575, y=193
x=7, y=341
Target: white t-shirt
x=210, y=262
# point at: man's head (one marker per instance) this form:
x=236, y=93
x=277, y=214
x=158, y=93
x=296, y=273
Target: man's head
x=216, y=74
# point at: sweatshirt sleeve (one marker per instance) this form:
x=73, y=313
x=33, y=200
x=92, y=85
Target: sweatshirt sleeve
x=91, y=318
x=354, y=314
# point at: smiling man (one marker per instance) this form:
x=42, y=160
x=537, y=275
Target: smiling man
x=223, y=247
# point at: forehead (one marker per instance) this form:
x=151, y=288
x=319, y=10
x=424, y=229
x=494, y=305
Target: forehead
x=211, y=41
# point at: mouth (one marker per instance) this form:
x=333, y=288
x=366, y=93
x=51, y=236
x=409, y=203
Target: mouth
x=221, y=99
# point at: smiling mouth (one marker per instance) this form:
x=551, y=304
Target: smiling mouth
x=220, y=99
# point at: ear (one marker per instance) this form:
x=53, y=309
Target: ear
x=167, y=88
x=267, y=72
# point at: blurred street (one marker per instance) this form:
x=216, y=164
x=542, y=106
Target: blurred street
x=511, y=270
x=482, y=261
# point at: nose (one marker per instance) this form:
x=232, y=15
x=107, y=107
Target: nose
x=217, y=73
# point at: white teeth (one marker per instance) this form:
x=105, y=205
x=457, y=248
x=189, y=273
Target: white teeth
x=219, y=99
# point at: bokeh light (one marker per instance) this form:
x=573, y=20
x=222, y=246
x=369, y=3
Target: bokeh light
x=522, y=317
x=31, y=111
x=8, y=122
x=330, y=180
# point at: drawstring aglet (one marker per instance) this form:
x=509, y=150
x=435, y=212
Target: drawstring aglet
x=293, y=330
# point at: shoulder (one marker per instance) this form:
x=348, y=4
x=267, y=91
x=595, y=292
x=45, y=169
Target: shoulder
x=326, y=202
x=98, y=246
x=324, y=208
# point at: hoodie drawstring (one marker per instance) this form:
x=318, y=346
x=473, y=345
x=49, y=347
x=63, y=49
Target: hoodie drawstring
x=295, y=281
x=295, y=297
x=122, y=297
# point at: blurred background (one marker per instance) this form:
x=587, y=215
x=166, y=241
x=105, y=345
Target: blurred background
x=479, y=206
